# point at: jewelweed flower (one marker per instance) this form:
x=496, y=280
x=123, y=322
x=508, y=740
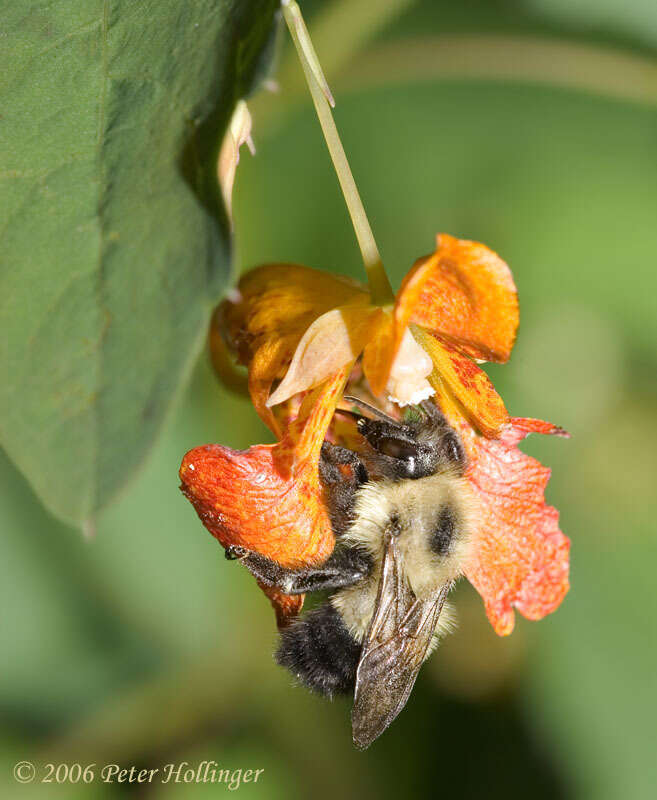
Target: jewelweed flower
x=462, y=297
x=305, y=336
x=299, y=332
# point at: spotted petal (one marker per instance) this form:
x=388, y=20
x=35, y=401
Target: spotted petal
x=458, y=380
x=519, y=555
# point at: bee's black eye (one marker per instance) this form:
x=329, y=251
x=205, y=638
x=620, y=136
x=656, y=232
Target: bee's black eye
x=396, y=448
x=404, y=457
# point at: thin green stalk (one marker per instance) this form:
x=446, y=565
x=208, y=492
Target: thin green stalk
x=380, y=288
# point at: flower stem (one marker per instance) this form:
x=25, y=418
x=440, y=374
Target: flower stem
x=380, y=289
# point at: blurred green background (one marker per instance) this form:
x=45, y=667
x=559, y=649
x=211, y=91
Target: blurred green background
x=144, y=647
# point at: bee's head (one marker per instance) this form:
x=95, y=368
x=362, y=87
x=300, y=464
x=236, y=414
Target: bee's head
x=416, y=448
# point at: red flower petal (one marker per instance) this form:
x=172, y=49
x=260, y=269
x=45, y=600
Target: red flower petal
x=519, y=556
x=249, y=498
x=268, y=498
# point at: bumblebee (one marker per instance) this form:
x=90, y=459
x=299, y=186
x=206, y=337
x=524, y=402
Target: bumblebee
x=402, y=515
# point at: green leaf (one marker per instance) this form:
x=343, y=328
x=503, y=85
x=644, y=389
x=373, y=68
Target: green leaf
x=114, y=241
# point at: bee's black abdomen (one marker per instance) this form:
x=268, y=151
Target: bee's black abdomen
x=319, y=651
x=443, y=533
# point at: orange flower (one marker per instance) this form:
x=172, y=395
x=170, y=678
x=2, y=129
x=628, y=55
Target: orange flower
x=300, y=326
x=303, y=330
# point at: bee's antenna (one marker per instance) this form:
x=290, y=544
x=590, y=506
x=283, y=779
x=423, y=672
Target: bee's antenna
x=351, y=414
x=367, y=407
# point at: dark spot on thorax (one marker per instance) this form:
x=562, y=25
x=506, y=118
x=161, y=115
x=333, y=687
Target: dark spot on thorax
x=441, y=538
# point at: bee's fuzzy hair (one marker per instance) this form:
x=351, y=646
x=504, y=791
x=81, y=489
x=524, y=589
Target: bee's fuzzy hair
x=416, y=507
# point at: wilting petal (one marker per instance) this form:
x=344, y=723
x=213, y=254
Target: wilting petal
x=519, y=556
x=275, y=304
x=237, y=133
x=464, y=292
x=333, y=340
x=467, y=383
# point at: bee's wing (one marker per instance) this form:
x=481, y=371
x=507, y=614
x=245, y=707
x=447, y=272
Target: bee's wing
x=394, y=648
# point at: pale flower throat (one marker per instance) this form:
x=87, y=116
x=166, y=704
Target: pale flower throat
x=408, y=384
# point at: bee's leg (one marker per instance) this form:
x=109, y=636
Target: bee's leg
x=333, y=456
x=343, y=568
x=320, y=652
x=234, y=551
x=340, y=485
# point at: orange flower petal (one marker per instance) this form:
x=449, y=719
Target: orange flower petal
x=464, y=292
x=231, y=375
x=275, y=305
x=306, y=433
x=248, y=498
x=269, y=362
x=333, y=340
x=286, y=606
x=458, y=378
x=268, y=498
x=519, y=556
x=379, y=353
